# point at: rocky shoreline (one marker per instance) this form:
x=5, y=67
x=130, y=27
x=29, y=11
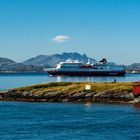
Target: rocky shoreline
x=73, y=92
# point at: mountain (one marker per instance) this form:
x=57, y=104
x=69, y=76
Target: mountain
x=53, y=60
x=6, y=61
x=7, y=65
x=133, y=68
x=38, y=63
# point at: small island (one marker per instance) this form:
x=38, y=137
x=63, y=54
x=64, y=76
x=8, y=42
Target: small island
x=99, y=92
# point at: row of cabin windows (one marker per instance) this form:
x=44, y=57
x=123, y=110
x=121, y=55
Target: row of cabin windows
x=69, y=66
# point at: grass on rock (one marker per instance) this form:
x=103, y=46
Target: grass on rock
x=75, y=87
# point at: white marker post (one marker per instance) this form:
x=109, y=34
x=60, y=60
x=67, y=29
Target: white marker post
x=87, y=87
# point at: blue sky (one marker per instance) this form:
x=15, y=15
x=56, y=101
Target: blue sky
x=99, y=28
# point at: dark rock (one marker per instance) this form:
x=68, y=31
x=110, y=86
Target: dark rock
x=107, y=96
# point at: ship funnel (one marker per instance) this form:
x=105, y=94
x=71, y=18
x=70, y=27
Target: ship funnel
x=104, y=61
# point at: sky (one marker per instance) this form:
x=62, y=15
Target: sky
x=100, y=28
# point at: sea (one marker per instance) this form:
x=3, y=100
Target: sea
x=12, y=80
x=66, y=121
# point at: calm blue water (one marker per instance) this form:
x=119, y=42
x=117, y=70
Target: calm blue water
x=15, y=80
x=63, y=121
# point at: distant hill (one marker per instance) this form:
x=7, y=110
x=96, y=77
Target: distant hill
x=38, y=63
x=53, y=60
x=7, y=65
x=135, y=68
x=5, y=62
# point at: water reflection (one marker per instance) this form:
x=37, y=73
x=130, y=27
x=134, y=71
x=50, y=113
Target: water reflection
x=137, y=106
x=58, y=79
x=16, y=80
x=88, y=79
x=128, y=77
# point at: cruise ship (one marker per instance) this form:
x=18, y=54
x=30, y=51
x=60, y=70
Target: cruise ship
x=76, y=68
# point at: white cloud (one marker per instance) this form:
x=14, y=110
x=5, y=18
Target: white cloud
x=60, y=38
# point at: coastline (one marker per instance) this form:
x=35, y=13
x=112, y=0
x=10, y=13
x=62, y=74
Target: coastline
x=100, y=92
x=43, y=72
